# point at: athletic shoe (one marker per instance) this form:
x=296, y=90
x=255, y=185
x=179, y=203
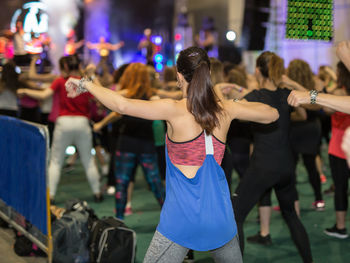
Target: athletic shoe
x=189, y=257
x=259, y=239
x=111, y=190
x=335, y=232
x=276, y=208
x=323, y=178
x=128, y=211
x=319, y=205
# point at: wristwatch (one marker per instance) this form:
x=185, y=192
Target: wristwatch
x=313, y=96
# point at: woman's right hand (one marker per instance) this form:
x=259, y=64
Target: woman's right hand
x=21, y=93
x=97, y=127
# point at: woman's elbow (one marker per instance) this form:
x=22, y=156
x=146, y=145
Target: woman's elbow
x=272, y=116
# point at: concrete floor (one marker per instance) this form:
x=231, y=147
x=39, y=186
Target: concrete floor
x=7, y=254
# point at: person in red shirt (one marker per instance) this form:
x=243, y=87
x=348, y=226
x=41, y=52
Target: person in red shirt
x=72, y=127
x=338, y=101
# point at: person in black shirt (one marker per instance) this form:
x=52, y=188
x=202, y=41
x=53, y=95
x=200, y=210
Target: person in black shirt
x=271, y=164
x=135, y=142
x=305, y=136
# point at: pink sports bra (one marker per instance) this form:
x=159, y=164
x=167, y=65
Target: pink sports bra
x=192, y=152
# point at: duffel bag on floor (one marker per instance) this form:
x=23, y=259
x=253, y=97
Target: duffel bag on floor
x=112, y=242
x=70, y=236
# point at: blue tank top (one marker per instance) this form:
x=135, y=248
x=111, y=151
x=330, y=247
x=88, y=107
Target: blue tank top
x=197, y=212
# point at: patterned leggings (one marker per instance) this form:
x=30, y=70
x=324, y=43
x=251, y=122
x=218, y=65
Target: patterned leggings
x=125, y=164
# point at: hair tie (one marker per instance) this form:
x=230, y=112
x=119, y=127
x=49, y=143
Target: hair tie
x=193, y=54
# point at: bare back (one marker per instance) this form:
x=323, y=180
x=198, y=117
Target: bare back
x=183, y=127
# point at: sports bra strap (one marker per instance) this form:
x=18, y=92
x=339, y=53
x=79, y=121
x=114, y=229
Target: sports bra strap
x=209, y=148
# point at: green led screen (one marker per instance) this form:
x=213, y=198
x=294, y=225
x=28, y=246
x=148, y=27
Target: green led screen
x=310, y=19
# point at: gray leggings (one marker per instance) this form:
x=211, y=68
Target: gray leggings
x=162, y=250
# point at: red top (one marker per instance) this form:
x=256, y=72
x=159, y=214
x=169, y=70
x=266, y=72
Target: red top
x=340, y=121
x=78, y=106
x=193, y=152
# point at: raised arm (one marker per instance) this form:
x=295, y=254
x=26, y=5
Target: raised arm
x=252, y=111
x=233, y=91
x=39, y=77
x=90, y=45
x=291, y=84
x=117, y=46
x=338, y=103
x=35, y=94
x=110, y=118
x=163, y=109
x=343, y=53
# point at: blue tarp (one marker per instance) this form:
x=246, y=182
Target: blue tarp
x=23, y=170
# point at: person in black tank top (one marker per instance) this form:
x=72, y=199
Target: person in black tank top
x=271, y=164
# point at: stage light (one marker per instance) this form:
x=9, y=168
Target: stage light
x=158, y=40
x=231, y=35
x=178, y=47
x=178, y=37
x=159, y=67
x=170, y=63
x=70, y=150
x=158, y=58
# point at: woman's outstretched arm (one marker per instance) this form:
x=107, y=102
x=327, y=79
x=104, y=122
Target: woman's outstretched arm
x=163, y=109
x=252, y=111
x=338, y=103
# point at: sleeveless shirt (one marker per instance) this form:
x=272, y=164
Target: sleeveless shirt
x=197, y=212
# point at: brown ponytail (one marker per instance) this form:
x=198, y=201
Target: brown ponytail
x=271, y=66
x=276, y=69
x=193, y=63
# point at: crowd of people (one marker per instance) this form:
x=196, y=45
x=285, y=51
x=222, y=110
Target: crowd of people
x=189, y=128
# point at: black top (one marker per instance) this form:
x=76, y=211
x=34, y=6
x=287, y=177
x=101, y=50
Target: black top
x=271, y=141
x=135, y=135
x=239, y=137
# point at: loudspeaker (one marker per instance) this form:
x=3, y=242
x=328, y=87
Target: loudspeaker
x=256, y=16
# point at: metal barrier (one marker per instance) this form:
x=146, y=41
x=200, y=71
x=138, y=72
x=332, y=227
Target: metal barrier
x=24, y=193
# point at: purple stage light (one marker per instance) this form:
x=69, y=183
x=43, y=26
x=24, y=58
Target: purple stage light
x=158, y=40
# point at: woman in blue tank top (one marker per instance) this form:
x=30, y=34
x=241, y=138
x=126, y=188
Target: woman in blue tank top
x=197, y=213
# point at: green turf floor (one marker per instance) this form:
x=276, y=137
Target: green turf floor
x=146, y=216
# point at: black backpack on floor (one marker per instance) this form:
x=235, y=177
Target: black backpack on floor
x=112, y=242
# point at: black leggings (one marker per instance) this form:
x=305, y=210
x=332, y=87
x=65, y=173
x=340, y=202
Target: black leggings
x=340, y=174
x=314, y=177
x=250, y=189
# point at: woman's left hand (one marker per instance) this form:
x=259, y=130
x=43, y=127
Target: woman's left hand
x=71, y=87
